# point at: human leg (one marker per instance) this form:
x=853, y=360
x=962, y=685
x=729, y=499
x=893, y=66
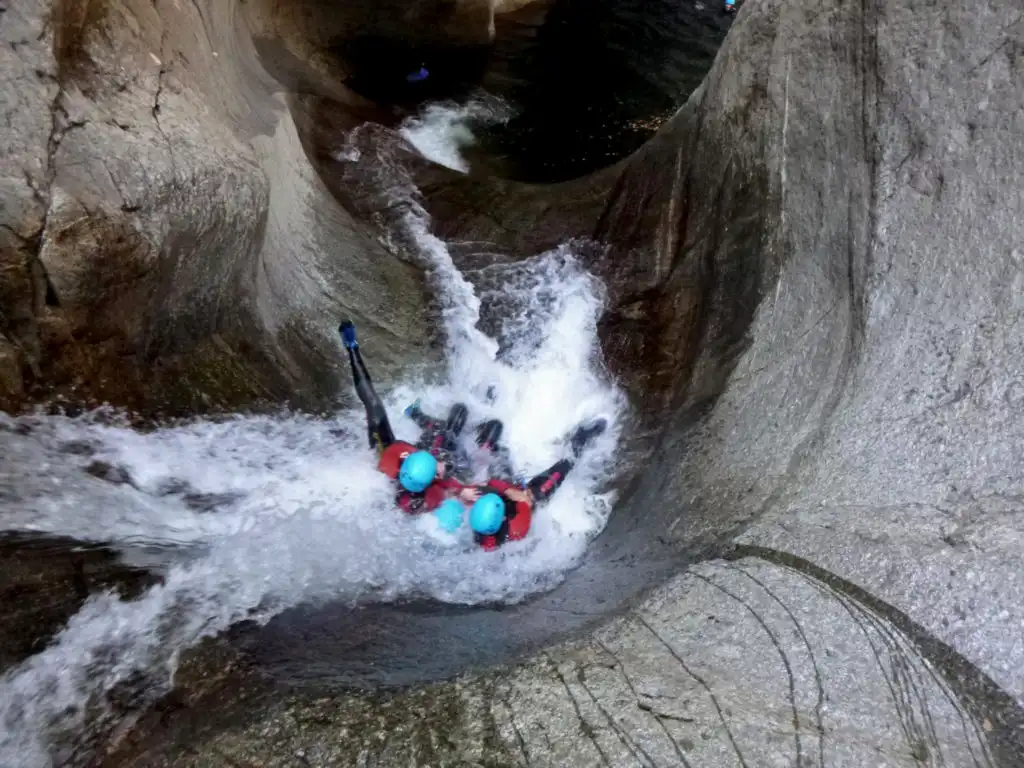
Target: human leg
x=488, y=434
x=542, y=486
x=378, y=427
x=441, y=437
x=451, y=427
x=488, y=437
x=547, y=482
x=449, y=439
x=423, y=421
x=456, y=421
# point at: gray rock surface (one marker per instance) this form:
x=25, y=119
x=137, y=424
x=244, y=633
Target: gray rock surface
x=167, y=244
x=44, y=581
x=873, y=417
x=819, y=259
x=741, y=663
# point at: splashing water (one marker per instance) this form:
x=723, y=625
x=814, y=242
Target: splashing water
x=296, y=511
x=442, y=130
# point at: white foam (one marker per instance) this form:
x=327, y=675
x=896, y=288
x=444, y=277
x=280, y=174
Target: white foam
x=441, y=130
x=305, y=516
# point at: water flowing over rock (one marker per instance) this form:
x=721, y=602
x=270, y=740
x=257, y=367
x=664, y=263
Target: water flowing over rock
x=815, y=273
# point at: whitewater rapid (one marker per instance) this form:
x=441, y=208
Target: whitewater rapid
x=442, y=130
x=293, y=508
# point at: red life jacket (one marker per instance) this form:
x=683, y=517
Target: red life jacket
x=390, y=462
x=516, y=525
x=391, y=458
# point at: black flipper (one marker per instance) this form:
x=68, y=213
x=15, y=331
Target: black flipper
x=488, y=434
x=456, y=420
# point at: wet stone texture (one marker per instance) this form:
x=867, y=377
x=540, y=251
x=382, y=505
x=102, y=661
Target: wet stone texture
x=44, y=581
x=826, y=681
x=817, y=265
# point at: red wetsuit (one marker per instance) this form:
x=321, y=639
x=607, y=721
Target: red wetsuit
x=518, y=516
x=391, y=459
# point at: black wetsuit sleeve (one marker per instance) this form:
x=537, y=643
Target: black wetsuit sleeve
x=548, y=481
x=377, y=425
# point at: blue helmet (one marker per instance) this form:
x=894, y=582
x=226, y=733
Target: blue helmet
x=449, y=515
x=418, y=471
x=487, y=514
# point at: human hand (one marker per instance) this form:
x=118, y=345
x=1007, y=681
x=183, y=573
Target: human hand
x=469, y=494
x=518, y=495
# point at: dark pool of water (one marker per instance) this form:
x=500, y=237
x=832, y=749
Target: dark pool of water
x=589, y=80
x=596, y=78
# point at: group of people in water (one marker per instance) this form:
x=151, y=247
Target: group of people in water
x=500, y=509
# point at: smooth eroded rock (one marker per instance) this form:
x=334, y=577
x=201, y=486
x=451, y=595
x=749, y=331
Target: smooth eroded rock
x=45, y=580
x=166, y=244
x=826, y=680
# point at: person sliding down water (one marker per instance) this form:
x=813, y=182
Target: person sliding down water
x=501, y=511
x=504, y=511
x=422, y=470
x=502, y=508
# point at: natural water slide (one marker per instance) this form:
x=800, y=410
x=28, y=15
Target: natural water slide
x=797, y=304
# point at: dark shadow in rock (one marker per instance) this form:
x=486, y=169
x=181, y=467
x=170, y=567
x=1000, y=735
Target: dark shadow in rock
x=78, y=448
x=209, y=502
x=197, y=501
x=407, y=74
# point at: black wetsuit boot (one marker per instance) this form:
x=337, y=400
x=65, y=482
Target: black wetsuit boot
x=452, y=426
x=488, y=437
x=548, y=481
x=456, y=421
x=586, y=433
x=488, y=434
x=441, y=438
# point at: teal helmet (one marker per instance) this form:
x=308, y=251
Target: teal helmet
x=487, y=514
x=418, y=471
x=449, y=515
